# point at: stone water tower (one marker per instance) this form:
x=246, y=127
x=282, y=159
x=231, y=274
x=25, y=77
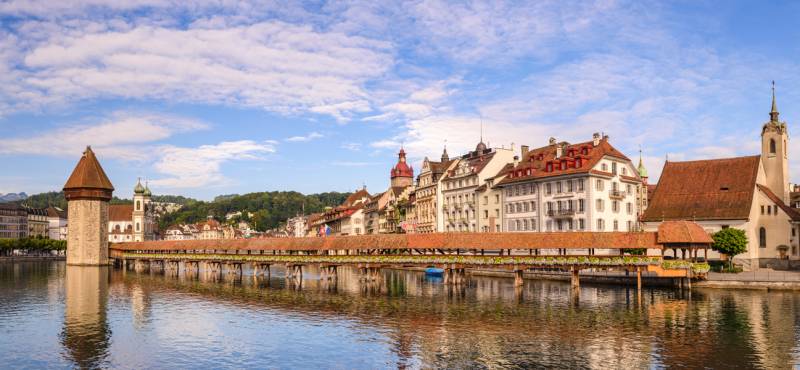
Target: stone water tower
x=88, y=192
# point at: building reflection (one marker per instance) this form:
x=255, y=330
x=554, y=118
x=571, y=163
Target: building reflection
x=86, y=334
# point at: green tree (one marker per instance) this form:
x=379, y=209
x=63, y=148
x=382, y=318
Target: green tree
x=730, y=242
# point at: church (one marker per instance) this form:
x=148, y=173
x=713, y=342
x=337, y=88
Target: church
x=750, y=193
x=133, y=222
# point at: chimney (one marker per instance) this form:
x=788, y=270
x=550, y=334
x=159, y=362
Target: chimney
x=524, y=151
x=516, y=160
x=559, y=151
x=552, y=141
x=605, y=137
x=596, y=139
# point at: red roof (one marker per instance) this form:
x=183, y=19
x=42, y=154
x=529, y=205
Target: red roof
x=682, y=232
x=88, y=174
x=120, y=212
x=716, y=189
x=402, y=169
x=575, y=158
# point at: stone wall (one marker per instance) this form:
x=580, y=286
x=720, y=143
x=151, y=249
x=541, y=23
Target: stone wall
x=87, y=241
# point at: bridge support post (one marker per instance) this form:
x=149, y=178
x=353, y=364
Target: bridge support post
x=638, y=279
x=575, y=282
x=518, y=278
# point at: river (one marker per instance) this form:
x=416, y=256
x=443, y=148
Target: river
x=54, y=316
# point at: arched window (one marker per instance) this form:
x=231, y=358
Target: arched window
x=116, y=228
x=138, y=205
x=772, y=146
x=762, y=237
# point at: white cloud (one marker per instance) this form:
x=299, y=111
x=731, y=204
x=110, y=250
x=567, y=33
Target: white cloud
x=271, y=65
x=351, y=146
x=121, y=135
x=202, y=166
x=309, y=137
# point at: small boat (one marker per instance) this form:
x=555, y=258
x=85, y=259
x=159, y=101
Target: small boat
x=434, y=271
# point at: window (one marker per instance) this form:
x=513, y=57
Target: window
x=511, y=226
x=518, y=207
x=516, y=225
x=137, y=226
x=533, y=206
x=533, y=224
x=525, y=207
x=569, y=186
x=762, y=210
x=616, y=225
x=485, y=199
x=524, y=224
x=559, y=225
x=581, y=224
x=485, y=214
x=497, y=199
x=510, y=208
x=601, y=225
x=630, y=226
x=628, y=188
x=614, y=167
x=604, y=167
x=615, y=206
x=558, y=187
x=624, y=171
x=772, y=146
x=629, y=206
x=581, y=205
x=599, y=205
x=762, y=237
x=769, y=210
x=599, y=185
x=580, y=185
x=516, y=190
x=548, y=189
x=508, y=192
x=138, y=205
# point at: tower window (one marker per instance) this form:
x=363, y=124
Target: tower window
x=762, y=237
x=772, y=146
x=138, y=205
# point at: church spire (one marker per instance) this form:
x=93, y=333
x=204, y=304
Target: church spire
x=773, y=114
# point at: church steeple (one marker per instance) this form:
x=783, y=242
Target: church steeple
x=773, y=114
x=641, y=169
x=445, y=157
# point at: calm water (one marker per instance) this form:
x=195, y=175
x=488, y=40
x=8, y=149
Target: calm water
x=52, y=315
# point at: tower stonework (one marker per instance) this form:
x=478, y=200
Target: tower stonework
x=88, y=192
x=775, y=153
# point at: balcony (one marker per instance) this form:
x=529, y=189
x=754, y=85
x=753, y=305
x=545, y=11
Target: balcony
x=616, y=194
x=561, y=213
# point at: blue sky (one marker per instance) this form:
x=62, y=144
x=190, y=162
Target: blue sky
x=215, y=97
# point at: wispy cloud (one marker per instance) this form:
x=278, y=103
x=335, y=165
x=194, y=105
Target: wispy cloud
x=120, y=135
x=309, y=137
x=352, y=163
x=202, y=166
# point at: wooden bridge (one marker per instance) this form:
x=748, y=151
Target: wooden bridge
x=453, y=252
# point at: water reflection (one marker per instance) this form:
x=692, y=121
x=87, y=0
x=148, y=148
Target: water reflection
x=400, y=319
x=86, y=335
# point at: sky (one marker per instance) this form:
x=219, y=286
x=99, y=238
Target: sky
x=201, y=98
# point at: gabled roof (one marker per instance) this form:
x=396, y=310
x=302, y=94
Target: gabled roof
x=716, y=189
x=358, y=195
x=88, y=174
x=791, y=212
x=682, y=232
x=55, y=212
x=575, y=159
x=120, y=212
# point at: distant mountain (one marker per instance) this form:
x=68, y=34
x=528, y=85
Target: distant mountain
x=12, y=197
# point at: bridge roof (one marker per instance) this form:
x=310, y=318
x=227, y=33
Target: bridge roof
x=487, y=241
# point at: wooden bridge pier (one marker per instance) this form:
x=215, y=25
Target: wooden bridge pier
x=328, y=272
x=294, y=271
x=172, y=267
x=233, y=269
x=261, y=269
x=575, y=281
x=518, y=278
x=454, y=276
x=369, y=273
x=191, y=266
x=141, y=265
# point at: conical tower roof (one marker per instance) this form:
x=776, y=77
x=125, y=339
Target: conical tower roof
x=138, y=189
x=88, y=180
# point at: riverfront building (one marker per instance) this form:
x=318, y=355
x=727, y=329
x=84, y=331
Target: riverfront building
x=464, y=183
x=589, y=186
x=57, y=223
x=749, y=193
x=38, y=226
x=13, y=221
x=133, y=222
x=428, y=194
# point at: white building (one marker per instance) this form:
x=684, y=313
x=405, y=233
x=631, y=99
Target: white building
x=588, y=186
x=464, y=184
x=57, y=223
x=133, y=222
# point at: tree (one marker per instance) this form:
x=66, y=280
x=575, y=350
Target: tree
x=730, y=242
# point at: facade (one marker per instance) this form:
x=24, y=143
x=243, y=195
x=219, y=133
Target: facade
x=589, y=186
x=133, y=222
x=428, y=194
x=209, y=229
x=38, y=226
x=13, y=221
x=464, y=183
x=297, y=226
x=748, y=193
x=56, y=223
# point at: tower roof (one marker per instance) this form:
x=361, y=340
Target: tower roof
x=138, y=189
x=88, y=174
x=640, y=168
x=88, y=180
x=773, y=114
x=402, y=169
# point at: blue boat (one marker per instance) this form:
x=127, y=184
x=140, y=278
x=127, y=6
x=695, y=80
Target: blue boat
x=433, y=271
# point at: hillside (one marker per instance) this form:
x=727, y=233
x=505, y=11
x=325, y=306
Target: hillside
x=269, y=209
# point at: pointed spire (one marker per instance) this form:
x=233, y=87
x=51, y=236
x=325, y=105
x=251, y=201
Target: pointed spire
x=88, y=180
x=773, y=114
x=642, y=170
